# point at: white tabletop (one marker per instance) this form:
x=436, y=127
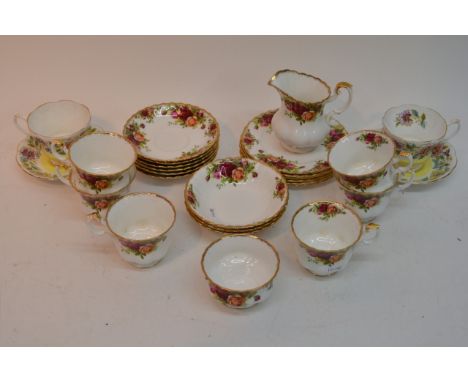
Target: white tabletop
x=60, y=285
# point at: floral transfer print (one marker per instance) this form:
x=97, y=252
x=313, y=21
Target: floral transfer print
x=301, y=112
x=249, y=139
x=325, y=258
x=408, y=117
x=327, y=210
x=141, y=250
x=134, y=133
x=280, y=163
x=191, y=198
x=280, y=189
x=96, y=183
x=361, y=201
x=336, y=132
x=372, y=140
x=29, y=154
x=231, y=171
x=264, y=120
x=236, y=300
x=364, y=184
x=99, y=205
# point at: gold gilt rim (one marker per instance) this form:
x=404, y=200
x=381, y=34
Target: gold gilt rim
x=206, y=148
x=65, y=137
x=187, y=170
x=117, y=135
x=370, y=173
x=166, y=167
x=240, y=230
x=137, y=194
x=358, y=219
x=312, y=183
x=285, y=203
x=275, y=252
x=196, y=160
x=168, y=177
x=273, y=78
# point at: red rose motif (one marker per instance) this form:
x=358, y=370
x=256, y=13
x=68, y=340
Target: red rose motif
x=323, y=208
x=184, y=112
x=138, y=137
x=378, y=139
x=369, y=203
x=147, y=248
x=370, y=137
x=331, y=209
x=235, y=300
x=191, y=121
x=101, y=204
x=308, y=115
x=101, y=184
x=238, y=174
x=227, y=168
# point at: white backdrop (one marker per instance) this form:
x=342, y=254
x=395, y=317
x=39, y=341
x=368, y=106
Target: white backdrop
x=60, y=285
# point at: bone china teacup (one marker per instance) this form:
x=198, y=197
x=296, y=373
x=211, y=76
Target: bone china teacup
x=55, y=123
x=240, y=269
x=140, y=225
x=416, y=129
x=365, y=158
x=102, y=159
x=327, y=233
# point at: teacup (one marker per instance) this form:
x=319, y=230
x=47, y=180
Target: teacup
x=327, y=232
x=240, y=269
x=140, y=225
x=57, y=124
x=371, y=204
x=95, y=204
x=365, y=158
x=101, y=159
x=417, y=129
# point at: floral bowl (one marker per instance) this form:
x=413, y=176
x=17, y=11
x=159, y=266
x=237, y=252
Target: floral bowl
x=240, y=269
x=236, y=193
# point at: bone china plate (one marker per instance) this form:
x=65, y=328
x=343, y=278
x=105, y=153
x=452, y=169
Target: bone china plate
x=236, y=193
x=171, y=132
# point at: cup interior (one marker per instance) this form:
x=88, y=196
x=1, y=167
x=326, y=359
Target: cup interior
x=335, y=233
x=357, y=154
x=59, y=119
x=301, y=87
x=102, y=154
x=413, y=123
x=240, y=263
x=140, y=216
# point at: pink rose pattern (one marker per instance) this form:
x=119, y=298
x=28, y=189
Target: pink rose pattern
x=141, y=250
x=231, y=171
x=363, y=184
x=326, y=258
x=191, y=198
x=97, y=183
x=279, y=162
x=280, y=189
x=249, y=139
x=300, y=111
x=327, y=210
x=99, y=203
x=363, y=202
x=235, y=299
x=264, y=120
x=336, y=132
x=372, y=140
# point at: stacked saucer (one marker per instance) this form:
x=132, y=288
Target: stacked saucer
x=172, y=139
x=236, y=195
x=259, y=142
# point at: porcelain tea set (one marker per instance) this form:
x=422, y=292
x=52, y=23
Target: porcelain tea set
x=298, y=144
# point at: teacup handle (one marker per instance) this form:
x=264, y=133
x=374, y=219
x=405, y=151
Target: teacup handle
x=56, y=154
x=406, y=155
x=62, y=178
x=398, y=190
x=371, y=231
x=19, y=121
x=95, y=225
x=340, y=86
x=453, y=125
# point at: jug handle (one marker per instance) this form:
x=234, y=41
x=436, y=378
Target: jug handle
x=340, y=86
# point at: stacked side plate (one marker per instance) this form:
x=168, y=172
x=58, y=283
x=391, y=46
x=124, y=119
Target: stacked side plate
x=236, y=195
x=259, y=142
x=172, y=139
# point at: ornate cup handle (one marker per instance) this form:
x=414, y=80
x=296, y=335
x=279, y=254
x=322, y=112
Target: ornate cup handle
x=340, y=86
x=95, y=224
x=60, y=176
x=61, y=157
x=20, y=123
x=457, y=124
x=370, y=232
x=406, y=155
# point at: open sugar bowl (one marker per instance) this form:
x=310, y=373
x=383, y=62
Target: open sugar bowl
x=102, y=159
x=140, y=225
x=326, y=233
x=365, y=158
x=240, y=269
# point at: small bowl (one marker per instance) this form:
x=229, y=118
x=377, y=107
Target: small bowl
x=102, y=158
x=240, y=269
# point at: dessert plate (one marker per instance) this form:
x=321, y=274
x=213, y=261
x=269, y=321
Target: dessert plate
x=172, y=132
x=34, y=158
x=259, y=142
x=438, y=166
x=236, y=193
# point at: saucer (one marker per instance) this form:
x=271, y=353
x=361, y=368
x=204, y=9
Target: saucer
x=84, y=187
x=435, y=167
x=259, y=142
x=34, y=158
x=236, y=194
x=172, y=132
